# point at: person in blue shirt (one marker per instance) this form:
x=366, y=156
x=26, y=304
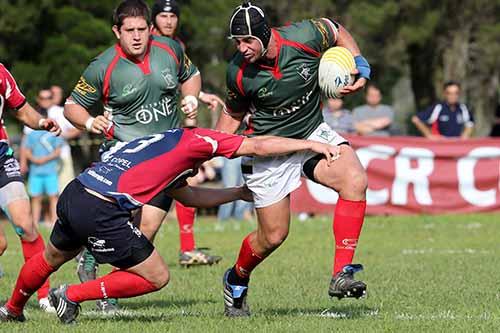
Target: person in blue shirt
x=449, y=118
x=43, y=150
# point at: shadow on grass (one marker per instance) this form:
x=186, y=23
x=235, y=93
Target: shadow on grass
x=161, y=303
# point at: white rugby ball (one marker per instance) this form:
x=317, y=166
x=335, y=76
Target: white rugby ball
x=334, y=71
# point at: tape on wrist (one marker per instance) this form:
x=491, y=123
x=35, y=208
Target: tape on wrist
x=40, y=123
x=201, y=94
x=190, y=99
x=88, y=123
x=363, y=66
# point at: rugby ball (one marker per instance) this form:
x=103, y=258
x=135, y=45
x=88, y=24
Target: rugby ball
x=334, y=71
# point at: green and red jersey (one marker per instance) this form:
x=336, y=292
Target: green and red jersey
x=141, y=96
x=283, y=98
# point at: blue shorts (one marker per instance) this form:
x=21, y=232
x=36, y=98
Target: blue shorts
x=43, y=184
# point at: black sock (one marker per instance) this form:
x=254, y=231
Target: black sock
x=235, y=279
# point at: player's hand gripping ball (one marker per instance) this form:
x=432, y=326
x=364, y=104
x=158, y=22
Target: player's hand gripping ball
x=334, y=72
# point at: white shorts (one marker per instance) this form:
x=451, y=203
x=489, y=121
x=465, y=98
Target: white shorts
x=273, y=178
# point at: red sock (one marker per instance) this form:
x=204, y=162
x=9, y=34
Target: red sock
x=30, y=249
x=248, y=259
x=117, y=284
x=32, y=276
x=185, y=217
x=347, y=224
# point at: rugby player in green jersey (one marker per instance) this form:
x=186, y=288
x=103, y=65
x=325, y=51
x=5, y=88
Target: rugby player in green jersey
x=137, y=80
x=165, y=15
x=273, y=81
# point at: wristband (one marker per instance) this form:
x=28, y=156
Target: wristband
x=363, y=66
x=88, y=123
x=40, y=123
x=201, y=94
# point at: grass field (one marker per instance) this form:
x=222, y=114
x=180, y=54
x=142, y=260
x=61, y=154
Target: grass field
x=424, y=274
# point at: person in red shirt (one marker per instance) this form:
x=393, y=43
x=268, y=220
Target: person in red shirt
x=13, y=198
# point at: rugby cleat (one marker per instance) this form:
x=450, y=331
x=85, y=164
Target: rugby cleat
x=109, y=305
x=44, y=305
x=343, y=283
x=197, y=257
x=235, y=299
x=66, y=310
x=87, y=266
x=6, y=315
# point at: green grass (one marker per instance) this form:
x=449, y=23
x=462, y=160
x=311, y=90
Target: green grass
x=424, y=274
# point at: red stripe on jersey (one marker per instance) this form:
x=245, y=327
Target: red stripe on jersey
x=302, y=47
x=13, y=96
x=435, y=128
x=239, y=77
x=107, y=75
x=166, y=48
x=110, y=133
x=275, y=70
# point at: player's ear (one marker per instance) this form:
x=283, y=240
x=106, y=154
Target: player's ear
x=116, y=31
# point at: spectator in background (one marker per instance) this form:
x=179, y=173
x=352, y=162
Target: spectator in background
x=232, y=176
x=373, y=118
x=495, y=130
x=336, y=117
x=43, y=150
x=69, y=132
x=449, y=118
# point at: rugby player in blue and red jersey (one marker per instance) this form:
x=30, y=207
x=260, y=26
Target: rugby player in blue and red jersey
x=13, y=198
x=95, y=211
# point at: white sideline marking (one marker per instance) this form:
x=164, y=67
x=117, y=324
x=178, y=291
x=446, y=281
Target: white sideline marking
x=444, y=251
x=446, y=315
x=344, y=315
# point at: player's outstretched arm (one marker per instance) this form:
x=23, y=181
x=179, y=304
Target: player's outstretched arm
x=273, y=145
x=201, y=197
x=79, y=117
x=28, y=116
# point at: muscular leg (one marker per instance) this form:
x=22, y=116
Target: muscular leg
x=36, y=208
x=150, y=218
x=150, y=275
x=32, y=243
x=272, y=230
x=347, y=176
x=3, y=241
x=34, y=273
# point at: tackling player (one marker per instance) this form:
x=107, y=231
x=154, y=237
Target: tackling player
x=137, y=81
x=165, y=15
x=95, y=209
x=13, y=198
x=274, y=77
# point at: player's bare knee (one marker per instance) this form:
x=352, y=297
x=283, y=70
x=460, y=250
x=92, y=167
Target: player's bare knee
x=355, y=185
x=161, y=279
x=276, y=238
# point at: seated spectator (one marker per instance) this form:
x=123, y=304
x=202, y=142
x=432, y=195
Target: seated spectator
x=42, y=151
x=373, y=118
x=495, y=130
x=448, y=118
x=336, y=117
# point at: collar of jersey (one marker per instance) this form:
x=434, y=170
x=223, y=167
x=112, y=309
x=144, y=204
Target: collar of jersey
x=144, y=64
x=275, y=70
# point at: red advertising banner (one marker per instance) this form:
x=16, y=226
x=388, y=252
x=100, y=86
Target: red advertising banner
x=408, y=175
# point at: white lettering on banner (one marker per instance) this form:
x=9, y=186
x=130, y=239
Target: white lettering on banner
x=419, y=176
x=366, y=155
x=465, y=172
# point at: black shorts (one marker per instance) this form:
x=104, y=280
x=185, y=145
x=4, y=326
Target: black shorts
x=101, y=226
x=9, y=170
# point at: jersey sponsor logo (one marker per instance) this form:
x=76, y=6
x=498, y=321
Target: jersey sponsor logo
x=99, y=177
x=152, y=112
x=324, y=33
x=128, y=90
x=263, y=93
x=99, y=245
x=82, y=87
x=169, y=78
x=296, y=106
x=304, y=71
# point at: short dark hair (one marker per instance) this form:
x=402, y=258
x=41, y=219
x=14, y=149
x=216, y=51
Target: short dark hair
x=131, y=8
x=451, y=83
x=372, y=86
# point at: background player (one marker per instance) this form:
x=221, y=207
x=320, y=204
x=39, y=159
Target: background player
x=13, y=198
x=137, y=81
x=165, y=15
x=95, y=211
x=274, y=77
